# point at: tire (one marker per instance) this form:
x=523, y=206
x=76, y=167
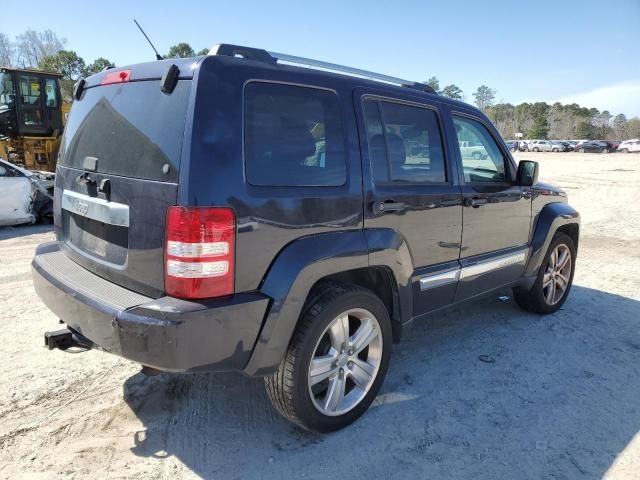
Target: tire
x=536, y=299
x=555, y=150
x=290, y=387
x=536, y=149
x=625, y=150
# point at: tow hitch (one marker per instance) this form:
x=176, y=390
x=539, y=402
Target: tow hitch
x=64, y=339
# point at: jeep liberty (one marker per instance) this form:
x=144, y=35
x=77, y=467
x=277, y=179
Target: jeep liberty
x=286, y=218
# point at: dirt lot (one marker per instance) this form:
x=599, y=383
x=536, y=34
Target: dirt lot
x=561, y=400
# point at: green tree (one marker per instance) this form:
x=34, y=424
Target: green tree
x=181, y=50
x=69, y=65
x=452, y=91
x=204, y=51
x=540, y=128
x=620, y=126
x=484, y=97
x=583, y=130
x=633, y=128
x=98, y=65
x=434, y=83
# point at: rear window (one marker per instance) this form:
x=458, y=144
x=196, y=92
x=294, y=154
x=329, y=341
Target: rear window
x=293, y=136
x=133, y=129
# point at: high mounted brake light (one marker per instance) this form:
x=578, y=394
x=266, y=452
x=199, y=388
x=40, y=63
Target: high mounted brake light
x=199, y=252
x=120, y=76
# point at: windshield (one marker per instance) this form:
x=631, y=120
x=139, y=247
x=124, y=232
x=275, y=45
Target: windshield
x=6, y=92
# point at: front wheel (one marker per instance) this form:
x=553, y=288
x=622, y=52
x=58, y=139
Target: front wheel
x=554, y=279
x=536, y=149
x=336, y=361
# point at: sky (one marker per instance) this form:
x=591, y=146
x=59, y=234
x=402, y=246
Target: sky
x=581, y=51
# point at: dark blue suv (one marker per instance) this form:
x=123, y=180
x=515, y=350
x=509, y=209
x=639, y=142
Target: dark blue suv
x=286, y=218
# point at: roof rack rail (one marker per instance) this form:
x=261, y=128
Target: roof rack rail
x=273, y=57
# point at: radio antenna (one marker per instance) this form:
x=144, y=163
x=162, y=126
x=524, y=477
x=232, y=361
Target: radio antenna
x=158, y=56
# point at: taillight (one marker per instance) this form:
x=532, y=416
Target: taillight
x=199, y=252
x=121, y=76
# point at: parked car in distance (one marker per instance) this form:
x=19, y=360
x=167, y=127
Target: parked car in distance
x=475, y=150
x=513, y=145
x=298, y=243
x=546, y=146
x=567, y=145
x=629, y=146
x=595, y=146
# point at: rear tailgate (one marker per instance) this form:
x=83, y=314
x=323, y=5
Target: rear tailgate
x=117, y=173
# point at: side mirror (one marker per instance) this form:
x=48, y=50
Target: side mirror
x=527, y=173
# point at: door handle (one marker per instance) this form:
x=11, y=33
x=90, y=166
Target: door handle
x=475, y=202
x=388, y=206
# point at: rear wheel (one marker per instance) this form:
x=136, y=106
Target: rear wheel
x=554, y=279
x=336, y=361
x=625, y=150
x=555, y=150
x=536, y=149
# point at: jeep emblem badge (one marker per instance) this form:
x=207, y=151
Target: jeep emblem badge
x=82, y=208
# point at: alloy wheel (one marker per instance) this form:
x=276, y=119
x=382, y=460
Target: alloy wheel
x=345, y=362
x=557, y=274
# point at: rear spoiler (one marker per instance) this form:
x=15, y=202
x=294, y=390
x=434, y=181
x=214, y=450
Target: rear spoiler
x=171, y=70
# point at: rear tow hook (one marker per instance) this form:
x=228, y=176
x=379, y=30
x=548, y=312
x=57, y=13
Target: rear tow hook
x=64, y=339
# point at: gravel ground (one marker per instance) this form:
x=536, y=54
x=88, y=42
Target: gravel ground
x=559, y=397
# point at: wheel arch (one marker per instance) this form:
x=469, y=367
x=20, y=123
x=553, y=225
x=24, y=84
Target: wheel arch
x=380, y=280
x=554, y=217
x=378, y=260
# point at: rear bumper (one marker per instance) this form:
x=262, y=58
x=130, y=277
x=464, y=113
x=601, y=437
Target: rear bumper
x=166, y=333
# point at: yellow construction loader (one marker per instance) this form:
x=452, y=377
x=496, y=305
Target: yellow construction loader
x=32, y=118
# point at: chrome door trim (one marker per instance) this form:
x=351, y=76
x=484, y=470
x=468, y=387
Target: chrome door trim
x=95, y=208
x=487, y=266
x=439, y=279
x=452, y=276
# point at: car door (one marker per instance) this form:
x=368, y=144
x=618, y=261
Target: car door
x=411, y=188
x=496, y=215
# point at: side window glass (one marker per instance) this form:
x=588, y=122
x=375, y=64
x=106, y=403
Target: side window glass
x=3, y=171
x=376, y=142
x=482, y=160
x=405, y=144
x=293, y=136
x=30, y=90
x=50, y=92
x=30, y=99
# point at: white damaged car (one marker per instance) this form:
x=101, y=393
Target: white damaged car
x=25, y=196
